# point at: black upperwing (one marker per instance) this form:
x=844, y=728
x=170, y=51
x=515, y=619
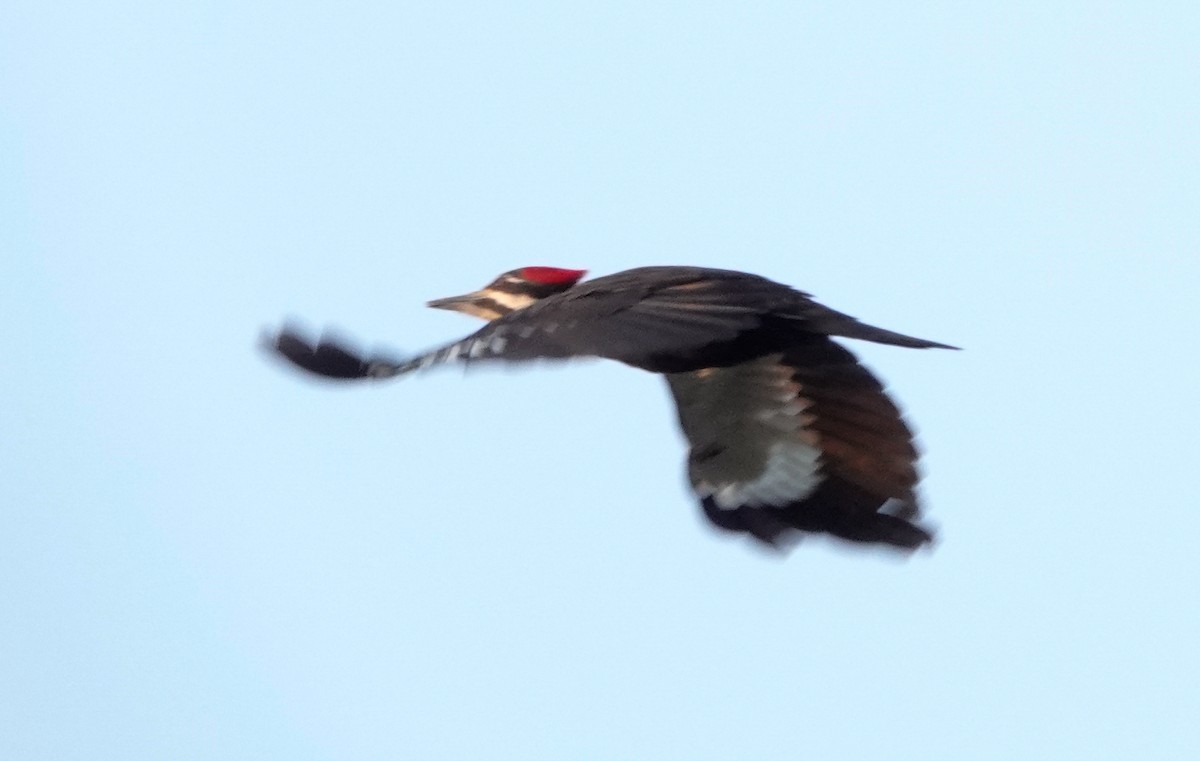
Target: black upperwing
x=662, y=319
x=327, y=357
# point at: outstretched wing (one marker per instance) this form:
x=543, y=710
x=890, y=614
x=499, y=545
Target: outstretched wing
x=662, y=319
x=802, y=440
x=327, y=357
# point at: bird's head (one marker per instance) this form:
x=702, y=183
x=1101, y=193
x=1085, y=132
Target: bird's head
x=511, y=291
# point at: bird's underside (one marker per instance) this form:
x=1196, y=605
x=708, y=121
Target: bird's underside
x=788, y=433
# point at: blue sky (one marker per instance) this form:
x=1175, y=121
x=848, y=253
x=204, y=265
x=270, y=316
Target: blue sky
x=205, y=556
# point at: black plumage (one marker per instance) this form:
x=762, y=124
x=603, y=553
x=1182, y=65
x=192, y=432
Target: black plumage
x=788, y=431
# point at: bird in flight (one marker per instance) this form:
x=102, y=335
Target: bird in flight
x=788, y=434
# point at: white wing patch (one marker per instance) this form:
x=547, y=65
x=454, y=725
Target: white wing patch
x=750, y=435
x=471, y=348
x=792, y=472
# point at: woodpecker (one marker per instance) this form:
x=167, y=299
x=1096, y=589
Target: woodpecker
x=788, y=434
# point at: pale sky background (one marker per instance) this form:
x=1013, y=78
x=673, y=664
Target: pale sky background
x=206, y=556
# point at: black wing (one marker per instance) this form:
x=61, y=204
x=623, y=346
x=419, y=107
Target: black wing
x=327, y=357
x=663, y=319
x=803, y=440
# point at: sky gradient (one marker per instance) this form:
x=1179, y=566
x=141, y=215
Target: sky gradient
x=205, y=556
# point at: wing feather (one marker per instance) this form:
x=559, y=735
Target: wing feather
x=760, y=417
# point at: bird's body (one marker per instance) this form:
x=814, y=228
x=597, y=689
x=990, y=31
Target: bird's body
x=787, y=431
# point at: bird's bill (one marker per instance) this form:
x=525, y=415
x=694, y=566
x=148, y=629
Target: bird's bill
x=477, y=304
x=462, y=303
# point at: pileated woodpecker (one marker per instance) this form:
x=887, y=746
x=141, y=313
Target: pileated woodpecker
x=788, y=432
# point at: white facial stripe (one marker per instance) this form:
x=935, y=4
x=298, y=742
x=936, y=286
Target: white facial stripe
x=792, y=472
x=510, y=300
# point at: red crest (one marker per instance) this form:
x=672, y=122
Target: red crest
x=552, y=275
